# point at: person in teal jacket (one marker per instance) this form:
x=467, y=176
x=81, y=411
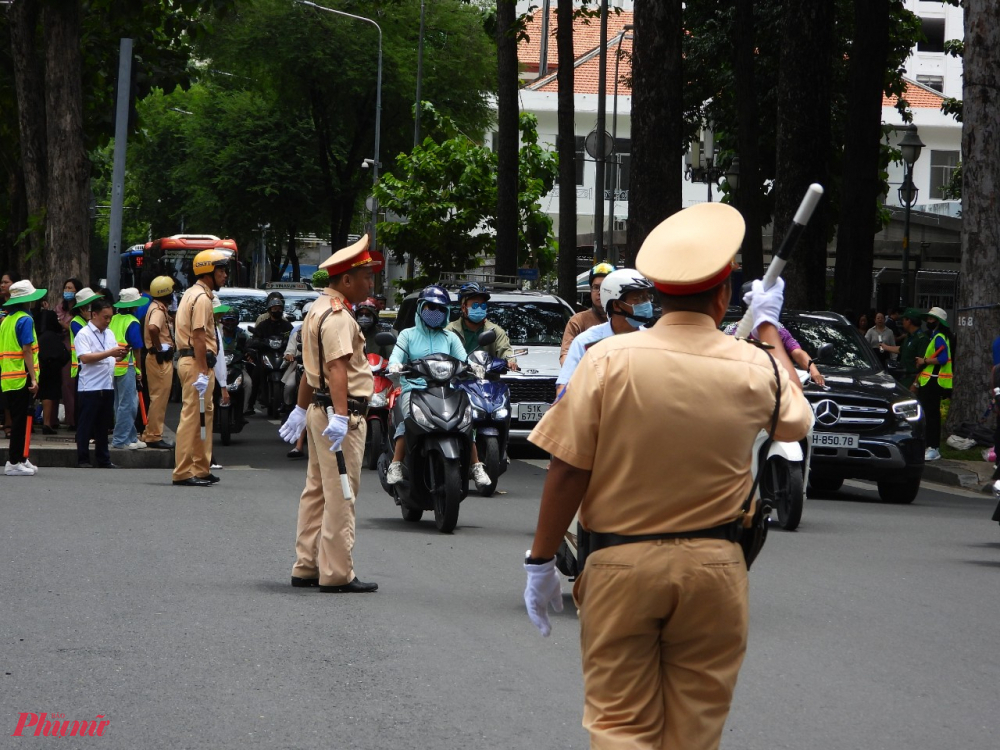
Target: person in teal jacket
x=427, y=336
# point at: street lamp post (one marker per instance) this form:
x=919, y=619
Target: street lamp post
x=378, y=105
x=910, y=146
x=614, y=139
x=733, y=180
x=700, y=163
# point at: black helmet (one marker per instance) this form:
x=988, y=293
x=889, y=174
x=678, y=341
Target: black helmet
x=275, y=298
x=472, y=289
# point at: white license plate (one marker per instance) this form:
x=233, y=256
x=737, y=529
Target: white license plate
x=834, y=440
x=531, y=412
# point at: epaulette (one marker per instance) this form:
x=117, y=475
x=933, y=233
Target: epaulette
x=336, y=304
x=758, y=344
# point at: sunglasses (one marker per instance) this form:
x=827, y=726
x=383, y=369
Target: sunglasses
x=433, y=306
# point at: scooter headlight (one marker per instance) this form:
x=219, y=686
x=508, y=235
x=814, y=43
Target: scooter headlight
x=420, y=418
x=466, y=419
x=501, y=413
x=441, y=370
x=909, y=410
x=235, y=385
x=274, y=342
x=478, y=414
x=377, y=400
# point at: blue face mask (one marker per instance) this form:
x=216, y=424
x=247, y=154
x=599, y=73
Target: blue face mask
x=644, y=311
x=433, y=318
x=477, y=312
x=68, y=296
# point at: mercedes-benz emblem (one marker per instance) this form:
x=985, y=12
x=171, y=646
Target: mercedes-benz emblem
x=827, y=413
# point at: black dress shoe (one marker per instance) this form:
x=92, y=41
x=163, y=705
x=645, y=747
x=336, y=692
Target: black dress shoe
x=192, y=482
x=46, y=430
x=210, y=478
x=84, y=465
x=163, y=444
x=110, y=466
x=304, y=583
x=354, y=587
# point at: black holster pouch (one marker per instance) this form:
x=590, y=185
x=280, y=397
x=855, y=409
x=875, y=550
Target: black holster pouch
x=211, y=359
x=582, y=546
x=322, y=400
x=165, y=356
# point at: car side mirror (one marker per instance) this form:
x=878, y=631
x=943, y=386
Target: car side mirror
x=825, y=354
x=487, y=337
x=385, y=338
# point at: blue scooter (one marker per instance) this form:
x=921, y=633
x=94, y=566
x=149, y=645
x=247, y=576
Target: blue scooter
x=490, y=397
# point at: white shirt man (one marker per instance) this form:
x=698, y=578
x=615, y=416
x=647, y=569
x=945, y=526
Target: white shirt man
x=96, y=350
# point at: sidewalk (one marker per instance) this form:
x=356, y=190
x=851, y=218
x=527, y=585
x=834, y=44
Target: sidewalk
x=59, y=451
x=972, y=475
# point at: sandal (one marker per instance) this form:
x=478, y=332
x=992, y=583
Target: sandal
x=296, y=453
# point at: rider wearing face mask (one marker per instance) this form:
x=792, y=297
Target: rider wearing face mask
x=627, y=300
x=366, y=313
x=475, y=304
x=427, y=336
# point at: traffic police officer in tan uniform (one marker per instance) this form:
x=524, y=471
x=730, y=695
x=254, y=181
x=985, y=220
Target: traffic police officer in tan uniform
x=198, y=347
x=159, y=365
x=337, y=375
x=663, y=619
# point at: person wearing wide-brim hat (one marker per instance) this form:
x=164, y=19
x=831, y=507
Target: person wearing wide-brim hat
x=158, y=366
x=935, y=379
x=659, y=661
x=336, y=377
x=128, y=333
x=19, y=370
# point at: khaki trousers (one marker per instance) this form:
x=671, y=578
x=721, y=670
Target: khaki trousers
x=663, y=631
x=192, y=455
x=325, y=534
x=159, y=378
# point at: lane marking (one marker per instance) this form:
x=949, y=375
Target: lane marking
x=538, y=463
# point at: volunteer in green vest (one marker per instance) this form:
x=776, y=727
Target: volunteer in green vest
x=934, y=379
x=19, y=371
x=914, y=345
x=128, y=333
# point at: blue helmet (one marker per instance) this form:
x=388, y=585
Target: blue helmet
x=436, y=294
x=472, y=289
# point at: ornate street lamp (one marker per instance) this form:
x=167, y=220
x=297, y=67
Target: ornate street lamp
x=700, y=163
x=910, y=146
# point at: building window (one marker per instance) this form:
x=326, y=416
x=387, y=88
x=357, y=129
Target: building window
x=943, y=164
x=581, y=156
x=932, y=82
x=933, y=31
x=618, y=170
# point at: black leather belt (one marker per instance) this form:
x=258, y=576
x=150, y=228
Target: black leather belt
x=730, y=531
x=210, y=357
x=358, y=406
x=185, y=352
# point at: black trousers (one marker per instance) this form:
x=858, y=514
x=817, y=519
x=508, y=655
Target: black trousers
x=17, y=403
x=930, y=399
x=96, y=417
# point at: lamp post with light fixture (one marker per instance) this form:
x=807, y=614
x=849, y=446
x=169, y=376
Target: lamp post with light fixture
x=910, y=146
x=700, y=163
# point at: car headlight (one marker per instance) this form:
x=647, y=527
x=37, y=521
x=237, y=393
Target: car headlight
x=377, y=400
x=420, y=418
x=909, y=410
x=501, y=413
x=466, y=419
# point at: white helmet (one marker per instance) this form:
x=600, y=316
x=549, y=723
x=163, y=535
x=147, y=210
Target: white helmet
x=618, y=283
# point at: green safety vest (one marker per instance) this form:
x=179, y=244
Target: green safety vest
x=74, y=363
x=941, y=372
x=119, y=324
x=13, y=376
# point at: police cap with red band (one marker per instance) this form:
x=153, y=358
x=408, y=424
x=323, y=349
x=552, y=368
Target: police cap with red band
x=694, y=250
x=353, y=256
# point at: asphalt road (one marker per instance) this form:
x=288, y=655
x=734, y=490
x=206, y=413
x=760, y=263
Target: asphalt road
x=169, y=612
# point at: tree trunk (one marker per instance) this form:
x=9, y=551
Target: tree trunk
x=748, y=195
x=804, y=144
x=858, y=204
x=566, y=146
x=67, y=251
x=657, y=119
x=979, y=281
x=507, y=140
x=29, y=85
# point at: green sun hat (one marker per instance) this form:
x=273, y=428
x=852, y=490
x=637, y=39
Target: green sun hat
x=129, y=298
x=22, y=292
x=85, y=296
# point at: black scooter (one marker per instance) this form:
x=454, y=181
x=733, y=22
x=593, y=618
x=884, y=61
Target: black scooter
x=230, y=419
x=438, y=440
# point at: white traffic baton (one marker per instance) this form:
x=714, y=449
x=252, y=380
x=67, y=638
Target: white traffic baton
x=345, y=482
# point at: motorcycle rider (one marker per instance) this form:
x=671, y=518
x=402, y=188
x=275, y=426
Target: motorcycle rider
x=627, y=301
x=590, y=317
x=272, y=323
x=427, y=336
x=474, y=300
x=366, y=313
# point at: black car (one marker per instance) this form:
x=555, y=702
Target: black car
x=867, y=426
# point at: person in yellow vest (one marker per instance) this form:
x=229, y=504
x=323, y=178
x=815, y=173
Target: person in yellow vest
x=335, y=390
x=79, y=321
x=159, y=369
x=197, y=349
x=934, y=379
x=19, y=371
x=128, y=333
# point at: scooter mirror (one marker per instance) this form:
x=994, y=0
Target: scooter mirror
x=487, y=337
x=385, y=338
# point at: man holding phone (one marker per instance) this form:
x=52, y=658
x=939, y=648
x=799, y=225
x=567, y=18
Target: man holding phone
x=98, y=353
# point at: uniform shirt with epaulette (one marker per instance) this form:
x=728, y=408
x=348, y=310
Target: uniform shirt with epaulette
x=342, y=337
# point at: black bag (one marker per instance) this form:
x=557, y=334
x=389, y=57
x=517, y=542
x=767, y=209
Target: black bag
x=752, y=537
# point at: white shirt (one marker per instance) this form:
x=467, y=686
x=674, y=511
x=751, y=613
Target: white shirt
x=220, y=360
x=579, y=347
x=100, y=375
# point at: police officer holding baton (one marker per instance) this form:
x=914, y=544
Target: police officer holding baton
x=332, y=405
x=663, y=594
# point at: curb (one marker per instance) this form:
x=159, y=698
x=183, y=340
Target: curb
x=956, y=474
x=64, y=457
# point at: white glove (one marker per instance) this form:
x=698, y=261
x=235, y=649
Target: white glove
x=543, y=589
x=336, y=430
x=293, y=426
x=765, y=306
x=201, y=384
x=395, y=368
x=164, y=347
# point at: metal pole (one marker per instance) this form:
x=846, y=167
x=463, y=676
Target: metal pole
x=904, y=286
x=602, y=76
x=420, y=75
x=118, y=169
x=543, y=43
x=614, y=141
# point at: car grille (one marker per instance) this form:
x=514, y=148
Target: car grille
x=541, y=390
x=850, y=413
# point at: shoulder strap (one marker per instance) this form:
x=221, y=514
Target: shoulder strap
x=762, y=455
x=322, y=359
x=193, y=301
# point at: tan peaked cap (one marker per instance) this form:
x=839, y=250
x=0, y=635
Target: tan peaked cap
x=352, y=256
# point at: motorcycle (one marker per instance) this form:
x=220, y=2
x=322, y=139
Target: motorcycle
x=490, y=397
x=377, y=440
x=272, y=367
x=229, y=419
x=438, y=439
